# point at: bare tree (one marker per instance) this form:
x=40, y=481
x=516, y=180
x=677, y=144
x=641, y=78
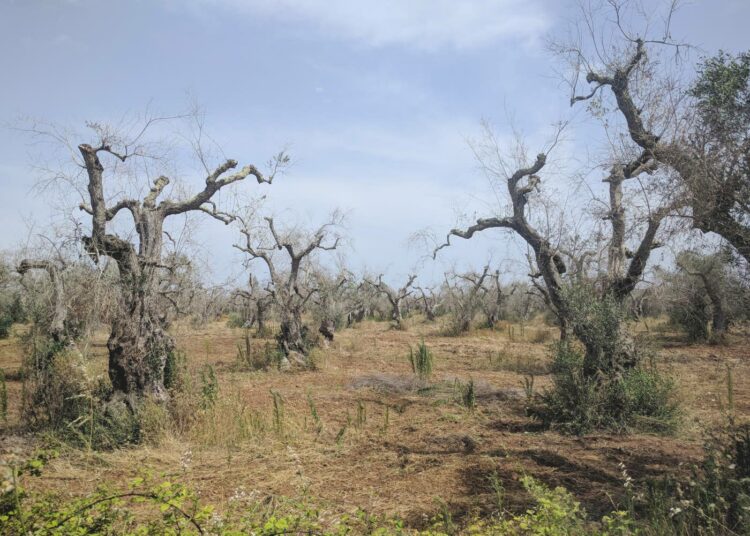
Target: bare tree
x=709, y=270
x=257, y=304
x=703, y=140
x=138, y=344
x=288, y=286
x=548, y=261
x=395, y=297
x=332, y=301
x=430, y=302
x=465, y=297
x=58, y=328
x=494, y=300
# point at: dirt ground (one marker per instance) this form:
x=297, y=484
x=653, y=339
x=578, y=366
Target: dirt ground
x=384, y=442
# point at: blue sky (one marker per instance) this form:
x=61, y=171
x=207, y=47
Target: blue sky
x=375, y=100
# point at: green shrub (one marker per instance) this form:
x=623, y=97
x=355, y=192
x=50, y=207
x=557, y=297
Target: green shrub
x=151, y=506
x=209, y=387
x=421, y=360
x=175, y=370
x=469, y=395
x=236, y=320
x=641, y=398
x=692, y=315
x=6, y=322
x=278, y=412
x=713, y=500
x=3, y=397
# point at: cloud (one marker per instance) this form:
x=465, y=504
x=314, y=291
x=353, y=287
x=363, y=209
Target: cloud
x=422, y=24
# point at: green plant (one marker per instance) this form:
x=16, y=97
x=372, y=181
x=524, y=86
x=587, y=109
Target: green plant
x=316, y=417
x=236, y=320
x=175, y=370
x=386, y=419
x=209, y=387
x=528, y=388
x=421, y=361
x=6, y=322
x=3, y=397
x=278, y=412
x=342, y=431
x=151, y=505
x=469, y=395
x=692, y=315
x=497, y=490
x=361, y=415
x=641, y=398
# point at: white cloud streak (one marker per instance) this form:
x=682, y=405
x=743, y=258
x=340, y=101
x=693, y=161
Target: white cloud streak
x=422, y=24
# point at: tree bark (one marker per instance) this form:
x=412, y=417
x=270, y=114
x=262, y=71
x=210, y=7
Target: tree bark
x=138, y=343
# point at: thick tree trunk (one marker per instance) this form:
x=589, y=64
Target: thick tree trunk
x=260, y=317
x=139, y=343
x=719, y=317
x=396, y=315
x=293, y=335
x=138, y=350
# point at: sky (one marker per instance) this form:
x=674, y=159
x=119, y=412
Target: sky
x=375, y=100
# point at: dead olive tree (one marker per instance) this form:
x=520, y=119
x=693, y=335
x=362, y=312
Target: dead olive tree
x=257, y=303
x=333, y=301
x=395, y=297
x=710, y=270
x=58, y=325
x=290, y=285
x=138, y=343
x=494, y=300
x=430, y=302
x=602, y=352
x=465, y=298
x=701, y=131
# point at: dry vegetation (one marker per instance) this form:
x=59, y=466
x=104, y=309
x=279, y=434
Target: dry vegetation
x=385, y=442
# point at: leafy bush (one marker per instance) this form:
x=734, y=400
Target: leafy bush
x=3, y=397
x=236, y=320
x=469, y=395
x=6, y=322
x=421, y=360
x=597, y=322
x=209, y=387
x=692, y=315
x=175, y=370
x=713, y=500
x=640, y=398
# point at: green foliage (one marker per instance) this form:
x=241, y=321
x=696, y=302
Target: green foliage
x=6, y=322
x=209, y=386
x=641, y=398
x=278, y=412
x=236, y=320
x=722, y=90
x=713, y=500
x=3, y=397
x=314, y=412
x=692, y=314
x=250, y=357
x=596, y=321
x=175, y=370
x=469, y=395
x=151, y=506
x=361, y=415
x=421, y=361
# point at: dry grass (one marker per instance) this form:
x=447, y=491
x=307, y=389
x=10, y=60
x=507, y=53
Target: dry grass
x=385, y=441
